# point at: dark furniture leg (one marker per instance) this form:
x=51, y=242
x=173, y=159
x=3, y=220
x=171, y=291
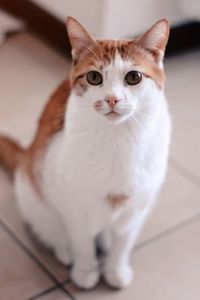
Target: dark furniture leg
x=39, y=21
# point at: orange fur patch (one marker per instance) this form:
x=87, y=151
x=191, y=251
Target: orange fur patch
x=117, y=201
x=98, y=105
x=11, y=154
x=50, y=123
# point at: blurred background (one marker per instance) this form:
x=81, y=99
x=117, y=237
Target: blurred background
x=34, y=59
x=111, y=18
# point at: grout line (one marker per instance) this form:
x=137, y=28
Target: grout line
x=45, y=292
x=66, y=281
x=34, y=258
x=53, y=288
x=168, y=231
x=185, y=171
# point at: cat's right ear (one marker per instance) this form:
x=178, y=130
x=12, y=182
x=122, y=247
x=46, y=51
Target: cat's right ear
x=79, y=38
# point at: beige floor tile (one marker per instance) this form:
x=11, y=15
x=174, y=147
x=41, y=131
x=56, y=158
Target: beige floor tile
x=166, y=269
x=20, y=276
x=178, y=201
x=29, y=72
x=182, y=70
x=10, y=215
x=8, y=23
x=183, y=94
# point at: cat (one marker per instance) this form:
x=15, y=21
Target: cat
x=99, y=157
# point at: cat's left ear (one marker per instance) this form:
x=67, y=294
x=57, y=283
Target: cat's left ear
x=155, y=40
x=79, y=38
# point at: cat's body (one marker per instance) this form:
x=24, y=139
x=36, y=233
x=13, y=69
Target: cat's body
x=85, y=179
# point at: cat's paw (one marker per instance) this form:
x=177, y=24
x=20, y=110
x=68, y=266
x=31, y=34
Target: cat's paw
x=119, y=277
x=85, y=279
x=64, y=256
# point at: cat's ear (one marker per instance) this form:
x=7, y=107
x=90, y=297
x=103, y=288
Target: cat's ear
x=78, y=36
x=155, y=40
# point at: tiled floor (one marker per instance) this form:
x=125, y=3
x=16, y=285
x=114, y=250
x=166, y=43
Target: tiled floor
x=167, y=256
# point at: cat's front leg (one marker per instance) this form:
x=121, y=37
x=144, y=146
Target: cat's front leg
x=85, y=272
x=118, y=272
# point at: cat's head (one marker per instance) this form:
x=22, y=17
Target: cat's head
x=112, y=78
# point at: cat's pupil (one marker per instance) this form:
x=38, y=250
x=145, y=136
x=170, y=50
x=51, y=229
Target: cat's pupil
x=133, y=77
x=94, y=78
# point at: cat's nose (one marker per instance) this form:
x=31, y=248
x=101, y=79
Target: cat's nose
x=112, y=100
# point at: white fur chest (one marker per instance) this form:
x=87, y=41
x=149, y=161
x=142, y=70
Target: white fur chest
x=101, y=159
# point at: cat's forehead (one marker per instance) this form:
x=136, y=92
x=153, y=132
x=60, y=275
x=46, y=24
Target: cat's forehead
x=111, y=48
x=116, y=53
x=107, y=54
x=118, y=66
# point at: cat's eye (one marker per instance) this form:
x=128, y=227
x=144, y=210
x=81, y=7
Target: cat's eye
x=133, y=77
x=94, y=78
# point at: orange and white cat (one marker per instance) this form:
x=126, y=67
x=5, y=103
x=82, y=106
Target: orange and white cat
x=99, y=156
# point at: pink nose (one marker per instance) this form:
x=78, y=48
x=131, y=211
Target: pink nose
x=112, y=100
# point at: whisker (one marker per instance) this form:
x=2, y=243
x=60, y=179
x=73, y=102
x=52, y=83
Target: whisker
x=139, y=118
x=140, y=115
x=138, y=123
x=126, y=124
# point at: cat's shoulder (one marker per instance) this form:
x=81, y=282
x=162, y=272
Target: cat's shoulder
x=51, y=121
x=52, y=118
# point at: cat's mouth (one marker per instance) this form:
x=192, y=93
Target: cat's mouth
x=112, y=115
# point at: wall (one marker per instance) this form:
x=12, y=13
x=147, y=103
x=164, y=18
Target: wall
x=190, y=9
x=116, y=18
x=130, y=17
x=88, y=12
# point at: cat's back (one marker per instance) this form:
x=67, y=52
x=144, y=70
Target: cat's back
x=50, y=124
x=52, y=118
